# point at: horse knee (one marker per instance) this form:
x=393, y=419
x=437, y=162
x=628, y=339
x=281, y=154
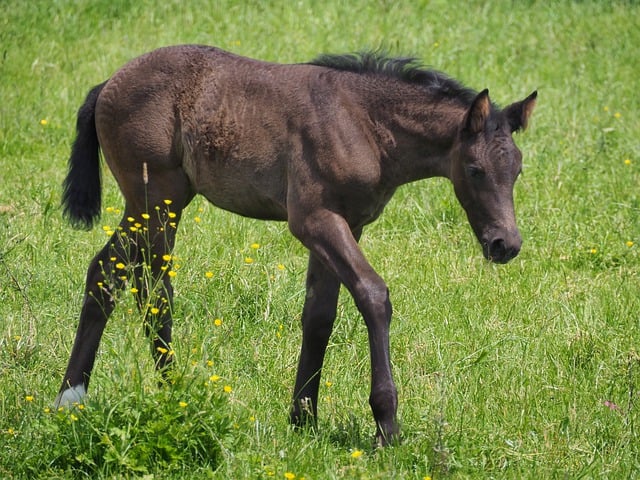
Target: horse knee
x=372, y=299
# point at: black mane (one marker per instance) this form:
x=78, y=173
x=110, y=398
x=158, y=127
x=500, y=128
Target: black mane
x=406, y=69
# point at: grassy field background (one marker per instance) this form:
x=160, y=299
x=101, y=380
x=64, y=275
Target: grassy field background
x=529, y=370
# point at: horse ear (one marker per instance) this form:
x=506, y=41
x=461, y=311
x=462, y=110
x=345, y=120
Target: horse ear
x=518, y=113
x=478, y=113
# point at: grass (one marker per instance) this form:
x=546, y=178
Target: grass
x=521, y=371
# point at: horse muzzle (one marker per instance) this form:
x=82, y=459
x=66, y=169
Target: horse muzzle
x=500, y=249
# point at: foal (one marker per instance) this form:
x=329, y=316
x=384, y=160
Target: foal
x=322, y=145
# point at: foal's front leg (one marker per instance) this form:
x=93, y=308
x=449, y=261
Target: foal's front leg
x=318, y=316
x=330, y=239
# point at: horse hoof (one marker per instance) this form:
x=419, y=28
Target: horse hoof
x=71, y=396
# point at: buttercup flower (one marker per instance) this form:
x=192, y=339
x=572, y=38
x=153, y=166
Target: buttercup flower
x=356, y=453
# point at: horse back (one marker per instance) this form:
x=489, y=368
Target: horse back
x=242, y=130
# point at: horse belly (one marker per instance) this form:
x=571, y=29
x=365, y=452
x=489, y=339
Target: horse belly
x=249, y=188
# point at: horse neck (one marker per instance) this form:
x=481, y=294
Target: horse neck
x=419, y=130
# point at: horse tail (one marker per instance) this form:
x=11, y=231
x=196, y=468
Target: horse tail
x=82, y=192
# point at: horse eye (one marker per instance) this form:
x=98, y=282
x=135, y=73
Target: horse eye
x=475, y=172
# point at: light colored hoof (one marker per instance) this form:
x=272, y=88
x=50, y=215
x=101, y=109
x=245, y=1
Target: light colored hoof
x=70, y=397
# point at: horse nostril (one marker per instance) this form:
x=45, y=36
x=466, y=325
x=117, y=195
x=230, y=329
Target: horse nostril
x=497, y=249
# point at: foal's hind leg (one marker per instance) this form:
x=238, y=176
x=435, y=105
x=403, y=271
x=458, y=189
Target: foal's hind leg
x=104, y=277
x=153, y=281
x=157, y=207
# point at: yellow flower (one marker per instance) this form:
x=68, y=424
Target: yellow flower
x=197, y=219
x=629, y=244
x=44, y=122
x=146, y=216
x=183, y=404
x=172, y=215
x=280, y=267
x=168, y=202
x=617, y=115
x=227, y=389
x=627, y=161
x=134, y=290
x=155, y=311
x=328, y=384
x=29, y=398
x=73, y=417
x=593, y=251
x=356, y=453
x=209, y=363
x=217, y=322
x=166, y=257
x=248, y=260
x=255, y=246
x=426, y=477
x=120, y=265
x=208, y=274
x=289, y=475
x=162, y=350
x=214, y=378
x=131, y=219
x=47, y=410
x=172, y=273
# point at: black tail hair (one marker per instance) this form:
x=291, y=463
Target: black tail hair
x=82, y=194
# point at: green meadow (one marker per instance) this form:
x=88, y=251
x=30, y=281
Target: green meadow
x=524, y=370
